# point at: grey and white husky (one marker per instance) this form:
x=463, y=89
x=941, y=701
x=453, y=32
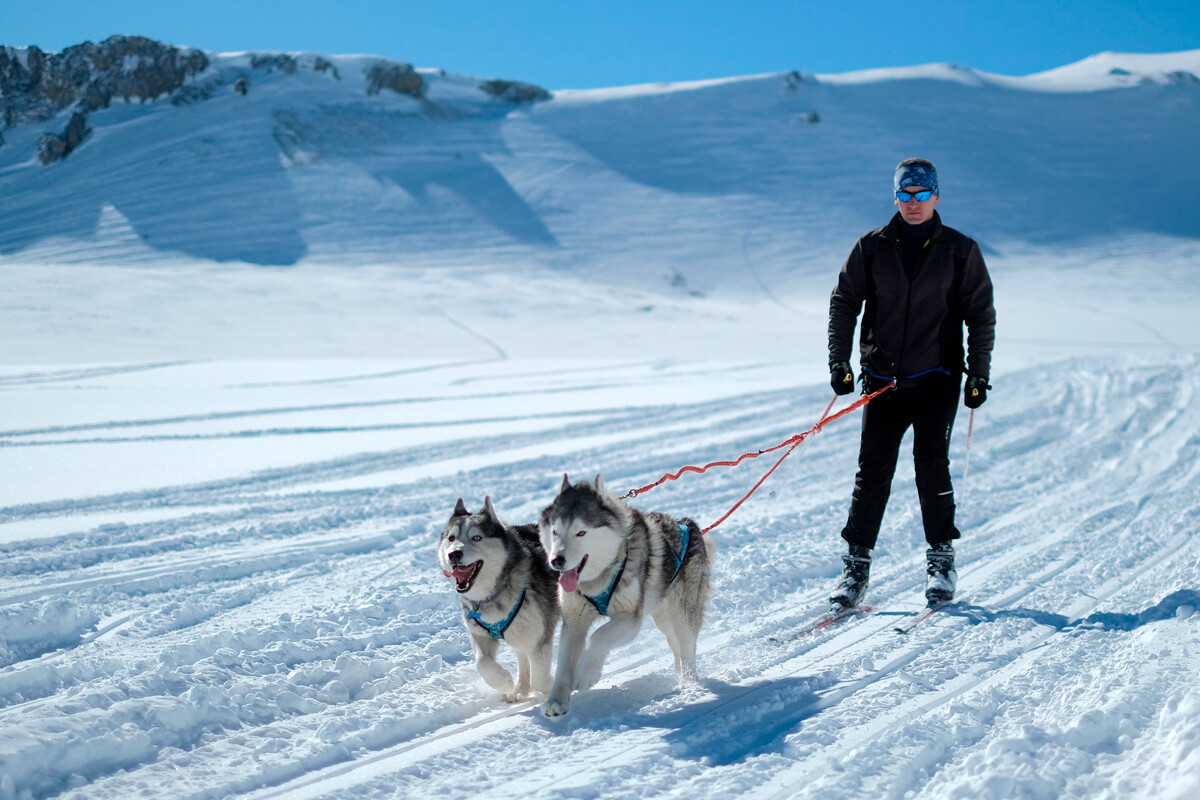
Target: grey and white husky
x=620, y=564
x=507, y=592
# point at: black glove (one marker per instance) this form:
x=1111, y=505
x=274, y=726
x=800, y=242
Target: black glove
x=841, y=378
x=975, y=392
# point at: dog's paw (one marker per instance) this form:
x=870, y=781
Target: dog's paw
x=688, y=676
x=513, y=697
x=556, y=708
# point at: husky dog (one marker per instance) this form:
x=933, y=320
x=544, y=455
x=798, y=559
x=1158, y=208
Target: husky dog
x=507, y=592
x=616, y=562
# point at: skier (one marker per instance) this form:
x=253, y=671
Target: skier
x=919, y=282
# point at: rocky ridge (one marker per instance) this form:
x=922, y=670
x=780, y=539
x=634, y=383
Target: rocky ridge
x=36, y=86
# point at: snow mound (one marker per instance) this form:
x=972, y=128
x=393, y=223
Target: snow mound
x=31, y=629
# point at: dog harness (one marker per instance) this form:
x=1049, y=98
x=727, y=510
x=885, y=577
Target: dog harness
x=684, y=539
x=601, y=601
x=497, y=629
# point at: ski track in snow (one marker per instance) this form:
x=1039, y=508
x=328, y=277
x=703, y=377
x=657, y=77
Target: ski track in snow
x=276, y=636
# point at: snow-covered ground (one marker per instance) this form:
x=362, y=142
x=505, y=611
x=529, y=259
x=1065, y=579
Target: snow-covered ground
x=222, y=484
x=223, y=581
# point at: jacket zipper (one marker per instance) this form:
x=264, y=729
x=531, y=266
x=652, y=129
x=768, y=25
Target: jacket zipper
x=908, y=298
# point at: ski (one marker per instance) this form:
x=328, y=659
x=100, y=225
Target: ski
x=907, y=625
x=827, y=620
x=831, y=618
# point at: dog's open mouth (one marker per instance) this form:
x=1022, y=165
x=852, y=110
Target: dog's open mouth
x=464, y=576
x=569, y=580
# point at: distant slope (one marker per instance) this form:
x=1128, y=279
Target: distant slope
x=319, y=160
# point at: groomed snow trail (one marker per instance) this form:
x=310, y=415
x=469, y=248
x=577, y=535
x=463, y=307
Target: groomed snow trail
x=286, y=633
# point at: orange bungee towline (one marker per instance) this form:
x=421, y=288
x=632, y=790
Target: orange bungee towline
x=791, y=444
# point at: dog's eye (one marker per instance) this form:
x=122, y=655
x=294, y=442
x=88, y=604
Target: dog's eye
x=449, y=538
x=476, y=538
x=554, y=533
x=581, y=533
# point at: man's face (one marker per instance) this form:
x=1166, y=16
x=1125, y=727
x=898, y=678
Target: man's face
x=914, y=211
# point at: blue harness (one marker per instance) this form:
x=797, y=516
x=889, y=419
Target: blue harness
x=684, y=540
x=497, y=629
x=601, y=600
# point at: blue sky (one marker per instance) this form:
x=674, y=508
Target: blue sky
x=563, y=44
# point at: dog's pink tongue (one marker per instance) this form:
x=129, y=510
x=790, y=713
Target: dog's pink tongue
x=569, y=580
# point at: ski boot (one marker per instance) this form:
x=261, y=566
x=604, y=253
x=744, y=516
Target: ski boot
x=941, y=580
x=855, y=574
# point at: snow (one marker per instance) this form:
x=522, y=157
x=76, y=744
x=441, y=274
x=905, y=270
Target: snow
x=1106, y=70
x=1096, y=73
x=647, y=89
x=226, y=458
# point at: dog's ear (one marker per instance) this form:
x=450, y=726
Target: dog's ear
x=490, y=510
x=566, y=484
x=460, y=510
x=600, y=486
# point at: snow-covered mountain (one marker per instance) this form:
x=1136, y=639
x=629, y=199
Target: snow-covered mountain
x=280, y=158
x=221, y=484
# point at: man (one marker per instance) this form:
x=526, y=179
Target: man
x=919, y=282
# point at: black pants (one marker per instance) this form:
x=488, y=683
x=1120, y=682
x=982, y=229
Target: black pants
x=929, y=409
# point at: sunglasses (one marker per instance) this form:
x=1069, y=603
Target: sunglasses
x=920, y=197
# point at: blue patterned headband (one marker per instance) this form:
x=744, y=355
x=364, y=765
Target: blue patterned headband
x=917, y=175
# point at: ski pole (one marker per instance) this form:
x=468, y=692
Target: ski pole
x=967, y=465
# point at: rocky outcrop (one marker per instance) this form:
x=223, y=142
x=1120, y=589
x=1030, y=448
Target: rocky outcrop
x=321, y=65
x=394, y=75
x=35, y=86
x=273, y=62
x=52, y=147
x=515, y=91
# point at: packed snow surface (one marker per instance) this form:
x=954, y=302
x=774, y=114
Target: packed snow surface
x=222, y=484
x=235, y=592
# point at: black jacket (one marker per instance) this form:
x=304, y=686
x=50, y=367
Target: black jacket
x=914, y=327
